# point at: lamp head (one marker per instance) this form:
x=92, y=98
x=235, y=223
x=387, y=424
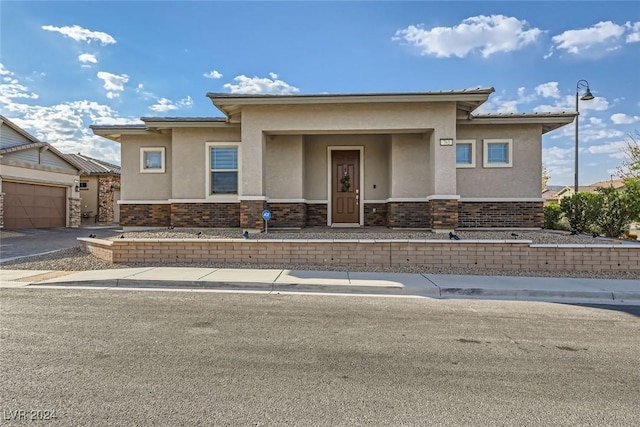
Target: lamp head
x=587, y=95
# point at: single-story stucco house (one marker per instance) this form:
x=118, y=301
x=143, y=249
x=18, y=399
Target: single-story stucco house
x=418, y=160
x=39, y=186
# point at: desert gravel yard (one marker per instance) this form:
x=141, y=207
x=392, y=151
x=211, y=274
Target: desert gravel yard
x=75, y=260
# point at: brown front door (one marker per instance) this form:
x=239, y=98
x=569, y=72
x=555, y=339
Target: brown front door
x=345, y=187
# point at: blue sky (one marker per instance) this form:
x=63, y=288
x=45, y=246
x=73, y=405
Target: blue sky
x=67, y=65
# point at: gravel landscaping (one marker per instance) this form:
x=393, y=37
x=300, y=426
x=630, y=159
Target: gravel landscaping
x=75, y=260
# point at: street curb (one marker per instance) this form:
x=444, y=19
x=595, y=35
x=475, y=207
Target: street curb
x=437, y=293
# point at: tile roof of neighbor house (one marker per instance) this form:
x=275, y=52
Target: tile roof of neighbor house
x=93, y=166
x=615, y=183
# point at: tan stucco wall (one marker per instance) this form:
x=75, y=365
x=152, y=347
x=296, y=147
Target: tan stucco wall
x=189, y=158
x=376, y=164
x=284, y=157
x=410, y=166
x=144, y=186
x=89, y=197
x=332, y=118
x=25, y=172
x=523, y=180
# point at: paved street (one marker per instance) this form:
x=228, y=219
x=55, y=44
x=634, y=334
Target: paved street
x=125, y=357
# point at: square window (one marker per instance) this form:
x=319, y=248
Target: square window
x=223, y=169
x=498, y=153
x=152, y=160
x=84, y=185
x=466, y=153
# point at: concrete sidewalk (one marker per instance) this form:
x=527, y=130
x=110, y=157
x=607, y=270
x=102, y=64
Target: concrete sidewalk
x=334, y=282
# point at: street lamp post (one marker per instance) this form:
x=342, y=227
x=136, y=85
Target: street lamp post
x=582, y=84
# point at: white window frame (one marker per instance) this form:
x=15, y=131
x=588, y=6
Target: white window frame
x=208, y=147
x=472, y=143
x=143, y=166
x=485, y=153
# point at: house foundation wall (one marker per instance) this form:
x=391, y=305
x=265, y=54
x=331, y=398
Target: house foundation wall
x=434, y=214
x=500, y=214
x=288, y=215
x=225, y=215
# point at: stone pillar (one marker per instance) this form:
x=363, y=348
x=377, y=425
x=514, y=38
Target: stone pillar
x=106, y=203
x=444, y=214
x=251, y=213
x=1, y=210
x=74, y=212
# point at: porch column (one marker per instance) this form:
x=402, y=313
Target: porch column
x=444, y=199
x=251, y=191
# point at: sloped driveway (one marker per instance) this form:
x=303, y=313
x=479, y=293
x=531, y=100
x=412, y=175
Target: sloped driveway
x=30, y=242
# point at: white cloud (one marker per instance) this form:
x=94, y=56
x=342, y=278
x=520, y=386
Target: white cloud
x=486, y=34
x=633, y=36
x=624, y=119
x=87, y=57
x=11, y=89
x=548, y=90
x=603, y=36
x=113, y=83
x=614, y=149
x=66, y=125
x=213, y=74
x=164, y=104
x=554, y=156
x=261, y=85
x=568, y=103
x=78, y=33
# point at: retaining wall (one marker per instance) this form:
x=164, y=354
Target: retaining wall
x=472, y=254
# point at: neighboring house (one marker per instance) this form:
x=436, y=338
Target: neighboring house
x=591, y=188
x=99, y=189
x=38, y=184
x=550, y=194
x=418, y=160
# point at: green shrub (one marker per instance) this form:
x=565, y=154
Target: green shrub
x=552, y=216
x=613, y=211
x=579, y=211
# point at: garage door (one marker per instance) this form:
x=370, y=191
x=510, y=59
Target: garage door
x=34, y=206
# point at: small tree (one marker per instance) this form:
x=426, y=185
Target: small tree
x=631, y=164
x=578, y=209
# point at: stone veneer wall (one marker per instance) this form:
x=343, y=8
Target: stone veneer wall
x=205, y=215
x=377, y=218
x=471, y=254
x=287, y=215
x=444, y=214
x=1, y=210
x=500, y=214
x=145, y=215
x=251, y=213
x=409, y=214
x=75, y=215
x=316, y=214
x=106, y=204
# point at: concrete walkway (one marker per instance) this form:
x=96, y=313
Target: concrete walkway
x=333, y=282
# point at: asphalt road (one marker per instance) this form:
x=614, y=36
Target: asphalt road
x=38, y=241
x=95, y=357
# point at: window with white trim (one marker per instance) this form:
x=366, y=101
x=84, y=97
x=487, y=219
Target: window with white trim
x=223, y=169
x=466, y=153
x=152, y=159
x=497, y=153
